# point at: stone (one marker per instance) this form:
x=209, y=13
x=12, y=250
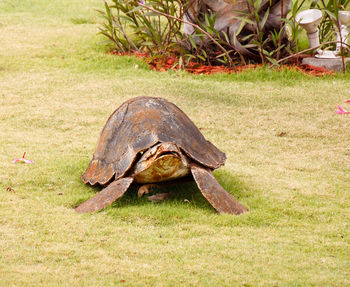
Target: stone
x=331, y=64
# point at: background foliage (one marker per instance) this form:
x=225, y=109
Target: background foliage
x=155, y=27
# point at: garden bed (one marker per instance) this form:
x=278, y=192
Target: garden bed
x=165, y=63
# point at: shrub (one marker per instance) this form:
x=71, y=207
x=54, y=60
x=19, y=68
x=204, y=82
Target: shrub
x=156, y=27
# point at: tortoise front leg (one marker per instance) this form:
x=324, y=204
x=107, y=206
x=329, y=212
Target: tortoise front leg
x=145, y=189
x=217, y=196
x=106, y=197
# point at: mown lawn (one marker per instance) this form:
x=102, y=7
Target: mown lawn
x=288, y=162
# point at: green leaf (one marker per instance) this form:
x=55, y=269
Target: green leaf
x=273, y=61
x=137, y=8
x=257, y=4
x=151, y=14
x=192, y=41
x=264, y=19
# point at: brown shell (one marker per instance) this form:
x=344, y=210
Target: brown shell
x=137, y=125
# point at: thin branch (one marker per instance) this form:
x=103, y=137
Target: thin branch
x=124, y=34
x=307, y=50
x=281, y=26
x=193, y=25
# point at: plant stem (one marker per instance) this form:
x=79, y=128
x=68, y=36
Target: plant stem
x=280, y=38
x=306, y=50
x=195, y=26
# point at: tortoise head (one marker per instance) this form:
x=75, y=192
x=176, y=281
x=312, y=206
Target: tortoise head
x=162, y=162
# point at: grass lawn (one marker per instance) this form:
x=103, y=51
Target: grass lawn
x=288, y=161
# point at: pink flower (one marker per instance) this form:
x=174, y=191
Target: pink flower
x=347, y=101
x=341, y=111
x=22, y=159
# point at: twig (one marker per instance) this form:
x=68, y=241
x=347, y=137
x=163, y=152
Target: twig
x=281, y=25
x=304, y=51
x=125, y=35
x=193, y=25
x=341, y=46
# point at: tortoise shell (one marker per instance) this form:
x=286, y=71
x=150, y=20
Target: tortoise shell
x=137, y=125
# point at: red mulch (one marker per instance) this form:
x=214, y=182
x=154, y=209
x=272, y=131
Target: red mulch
x=167, y=63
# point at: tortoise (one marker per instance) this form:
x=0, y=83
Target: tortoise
x=149, y=140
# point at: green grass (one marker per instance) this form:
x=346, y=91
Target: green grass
x=288, y=162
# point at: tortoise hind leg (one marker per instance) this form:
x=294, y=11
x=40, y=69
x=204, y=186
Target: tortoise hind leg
x=106, y=197
x=217, y=196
